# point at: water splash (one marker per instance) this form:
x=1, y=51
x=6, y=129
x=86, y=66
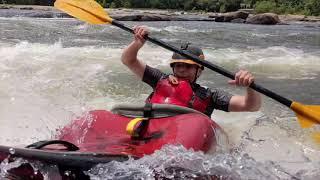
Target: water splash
x=7, y=164
x=176, y=162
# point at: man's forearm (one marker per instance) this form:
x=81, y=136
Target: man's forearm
x=253, y=100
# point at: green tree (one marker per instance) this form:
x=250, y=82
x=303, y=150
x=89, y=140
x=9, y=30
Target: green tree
x=116, y=4
x=207, y=5
x=26, y=2
x=188, y=5
x=155, y=4
x=213, y=5
x=229, y=5
x=265, y=6
x=127, y=4
x=250, y=2
x=104, y=3
x=138, y=3
x=312, y=7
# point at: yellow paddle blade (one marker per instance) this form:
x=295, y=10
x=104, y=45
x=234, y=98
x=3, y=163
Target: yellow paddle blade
x=316, y=137
x=308, y=115
x=86, y=10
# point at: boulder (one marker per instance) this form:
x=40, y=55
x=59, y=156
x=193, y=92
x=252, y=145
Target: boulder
x=152, y=17
x=291, y=17
x=238, y=20
x=26, y=8
x=157, y=17
x=4, y=7
x=265, y=18
x=228, y=17
x=141, y=17
x=312, y=19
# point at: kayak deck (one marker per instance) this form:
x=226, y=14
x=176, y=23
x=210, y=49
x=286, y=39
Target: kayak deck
x=103, y=131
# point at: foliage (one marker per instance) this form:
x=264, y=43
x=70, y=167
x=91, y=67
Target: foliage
x=312, y=7
x=230, y=5
x=29, y=2
x=265, y=6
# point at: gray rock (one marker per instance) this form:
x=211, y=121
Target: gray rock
x=238, y=20
x=290, y=17
x=26, y=8
x=4, y=7
x=266, y=18
x=141, y=17
x=157, y=17
x=32, y=13
x=228, y=17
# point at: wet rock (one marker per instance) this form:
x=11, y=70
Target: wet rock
x=312, y=19
x=214, y=15
x=32, y=13
x=283, y=23
x=266, y=19
x=157, y=17
x=290, y=17
x=141, y=17
x=228, y=17
x=118, y=14
x=4, y=7
x=238, y=20
x=26, y=8
x=219, y=19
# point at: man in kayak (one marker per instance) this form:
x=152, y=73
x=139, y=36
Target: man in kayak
x=180, y=88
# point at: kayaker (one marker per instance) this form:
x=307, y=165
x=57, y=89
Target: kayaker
x=180, y=87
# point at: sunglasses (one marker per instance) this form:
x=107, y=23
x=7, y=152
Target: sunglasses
x=184, y=65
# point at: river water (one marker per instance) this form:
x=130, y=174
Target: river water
x=54, y=70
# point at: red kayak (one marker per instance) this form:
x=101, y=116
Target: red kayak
x=104, y=131
x=102, y=136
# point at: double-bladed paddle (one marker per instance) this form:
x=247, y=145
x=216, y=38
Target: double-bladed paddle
x=90, y=11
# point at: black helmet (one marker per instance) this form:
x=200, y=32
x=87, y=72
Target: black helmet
x=191, y=49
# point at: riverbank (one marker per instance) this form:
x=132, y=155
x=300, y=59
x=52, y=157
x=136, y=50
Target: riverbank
x=156, y=15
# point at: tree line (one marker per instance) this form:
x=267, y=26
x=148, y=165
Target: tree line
x=307, y=7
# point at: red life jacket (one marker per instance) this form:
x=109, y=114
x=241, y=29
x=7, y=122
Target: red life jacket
x=180, y=94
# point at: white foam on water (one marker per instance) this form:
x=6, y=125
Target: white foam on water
x=175, y=29
x=235, y=124
x=44, y=86
x=276, y=55
x=89, y=28
x=179, y=29
x=172, y=29
x=155, y=57
x=175, y=162
x=276, y=62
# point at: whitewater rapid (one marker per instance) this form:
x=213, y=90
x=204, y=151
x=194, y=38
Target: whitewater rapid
x=55, y=70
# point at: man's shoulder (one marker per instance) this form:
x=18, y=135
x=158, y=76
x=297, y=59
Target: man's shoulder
x=152, y=75
x=205, y=91
x=202, y=91
x=201, y=87
x=154, y=70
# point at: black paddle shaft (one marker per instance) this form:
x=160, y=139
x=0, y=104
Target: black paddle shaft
x=207, y=64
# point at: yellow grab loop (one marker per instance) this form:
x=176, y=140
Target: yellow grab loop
x=132, y=124
x=86, y=10
x=308, y=115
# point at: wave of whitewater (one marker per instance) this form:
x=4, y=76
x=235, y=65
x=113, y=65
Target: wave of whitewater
x=58, y=70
